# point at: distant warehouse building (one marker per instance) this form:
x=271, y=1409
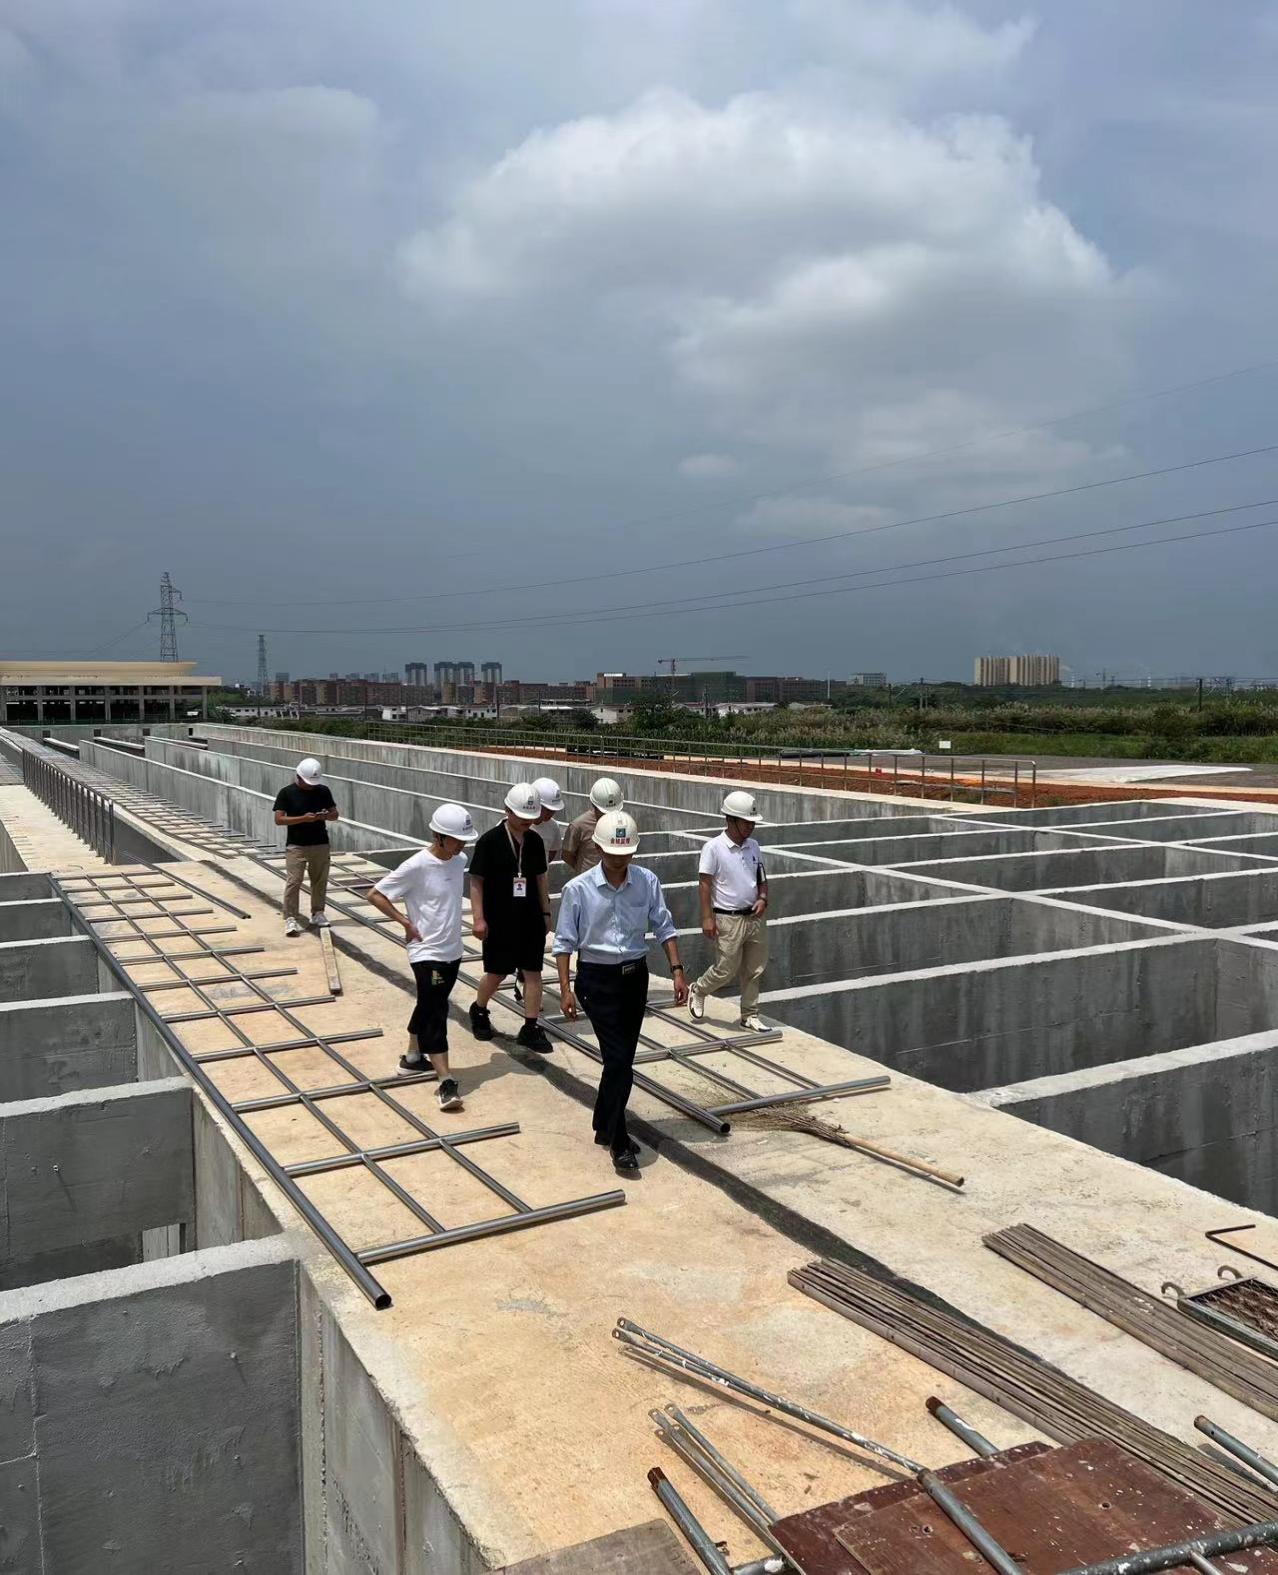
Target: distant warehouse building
x=102, y=691
x=1029, y=672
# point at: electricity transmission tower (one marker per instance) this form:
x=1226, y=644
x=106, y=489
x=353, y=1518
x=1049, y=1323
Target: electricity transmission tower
x=262, y=681
x=168, y=612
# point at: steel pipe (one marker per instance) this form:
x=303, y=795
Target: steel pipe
x=977, y=1442
x=703, y=1443
x=653, y=1346
x=698, y=1538
x=990, y=1550
x=495, y=1227
x=1235, y=1446
x=806, y=1096
x=1264, y=1534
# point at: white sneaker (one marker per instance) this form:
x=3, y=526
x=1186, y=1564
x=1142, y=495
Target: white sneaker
x=696, y=1005
x=753, y=1023
x=320, y=920
x=292, y=927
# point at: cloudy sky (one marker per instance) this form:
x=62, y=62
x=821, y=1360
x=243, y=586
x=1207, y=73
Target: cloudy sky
x=528, y=331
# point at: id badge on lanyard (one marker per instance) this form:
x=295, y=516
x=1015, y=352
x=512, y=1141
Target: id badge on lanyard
x=519, y=886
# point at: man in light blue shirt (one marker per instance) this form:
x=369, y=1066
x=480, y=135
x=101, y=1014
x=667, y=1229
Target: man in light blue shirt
x=605, y=916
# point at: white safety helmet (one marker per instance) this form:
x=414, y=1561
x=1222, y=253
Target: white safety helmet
x=310, y=770
x=740, y=805
x=606, y=794
x=549, y=794
x=522, y=800
x=617, y=832
x=451, y=820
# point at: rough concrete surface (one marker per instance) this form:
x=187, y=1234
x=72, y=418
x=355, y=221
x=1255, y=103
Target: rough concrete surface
x=487, y=1417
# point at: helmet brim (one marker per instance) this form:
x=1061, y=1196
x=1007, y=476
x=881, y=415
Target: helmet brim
x=611, y=847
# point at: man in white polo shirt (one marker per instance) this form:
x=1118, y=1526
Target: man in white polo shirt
x=733, y=887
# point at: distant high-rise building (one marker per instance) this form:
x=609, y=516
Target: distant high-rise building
x=417, y=674
x=281, y=678
x=465, y=672
x=490, y=672
x=868, y=680
x=445, y=673
x=1032, y=671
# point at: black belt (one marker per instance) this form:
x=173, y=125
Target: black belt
x=734, y=913
x=617, y=967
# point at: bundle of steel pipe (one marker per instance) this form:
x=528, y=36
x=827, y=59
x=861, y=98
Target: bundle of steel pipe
x=687, y=1364
x=1158, y=1324
x=696, y=1450
x=1058, y=1406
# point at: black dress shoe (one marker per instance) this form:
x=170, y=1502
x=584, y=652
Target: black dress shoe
x=626, y=1163
x=602, y=1142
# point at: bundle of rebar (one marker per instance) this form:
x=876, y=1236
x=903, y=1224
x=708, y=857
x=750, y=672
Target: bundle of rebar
x=1245, y=1374
x=1022, y=1383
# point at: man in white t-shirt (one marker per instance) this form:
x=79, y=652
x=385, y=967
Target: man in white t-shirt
x=430, y=884
x=733, y=887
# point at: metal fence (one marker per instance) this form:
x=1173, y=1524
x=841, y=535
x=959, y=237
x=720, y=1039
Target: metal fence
x=90, y=814
x=976, y=779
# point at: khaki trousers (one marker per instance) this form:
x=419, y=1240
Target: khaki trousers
x=742, y=953
x=312, y=862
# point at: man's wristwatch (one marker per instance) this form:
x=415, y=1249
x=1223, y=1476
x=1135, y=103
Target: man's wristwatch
x=676, y=968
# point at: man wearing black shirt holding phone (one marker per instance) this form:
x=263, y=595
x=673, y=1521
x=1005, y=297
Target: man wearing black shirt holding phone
x=305, y=806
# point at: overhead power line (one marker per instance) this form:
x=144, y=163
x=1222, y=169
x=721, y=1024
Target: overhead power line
x=740, y=499
x=706, y=601
x=807, y=541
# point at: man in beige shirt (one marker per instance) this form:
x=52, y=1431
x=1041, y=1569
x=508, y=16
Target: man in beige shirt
x=580, y=851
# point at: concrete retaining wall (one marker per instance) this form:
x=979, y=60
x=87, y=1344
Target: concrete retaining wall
x=1080, y=867
x=1207, y=1115
x=56, y=1046
x=83, y=1175
x=1215, y=902
x=149, y=1418
x=11, y=862
x=64, y=965
x=998, y=1022
x=33, y=921
x=700, y=795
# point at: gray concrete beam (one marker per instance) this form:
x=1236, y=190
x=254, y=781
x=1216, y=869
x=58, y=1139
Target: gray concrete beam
x=84, y=1171
x=33, y=920
x=157, y=1409
x=63, y=965
x=55, y=1046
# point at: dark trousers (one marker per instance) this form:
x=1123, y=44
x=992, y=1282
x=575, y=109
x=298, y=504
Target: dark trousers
x=429, y=1022
x=614, y=997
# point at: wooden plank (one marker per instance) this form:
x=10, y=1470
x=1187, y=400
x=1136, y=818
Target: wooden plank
x=330, y=962
x=1050, y=1509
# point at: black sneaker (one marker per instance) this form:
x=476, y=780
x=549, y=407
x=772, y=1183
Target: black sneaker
x=532, y=1036
x=412, y=1068
x=448, y=1095
x=626, y=1163
x=481, y=1025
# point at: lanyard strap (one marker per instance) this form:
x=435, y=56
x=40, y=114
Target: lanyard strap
x=516, y=852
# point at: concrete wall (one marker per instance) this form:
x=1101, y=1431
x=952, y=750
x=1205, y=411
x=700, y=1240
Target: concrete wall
x=38, y=920
x=25, y=887
x=83, y=1175
x=1207, y=1115
x=11, y=862
x=702, y=795
x=859, y=943
x=64, y=965
x=991, y=1023
x=149, y=1418
x=1079, y=867
x=1215, y=902
x=56, y=1046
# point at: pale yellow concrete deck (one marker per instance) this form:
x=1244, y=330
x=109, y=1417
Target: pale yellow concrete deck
x=39, y=838
x=497, y=1356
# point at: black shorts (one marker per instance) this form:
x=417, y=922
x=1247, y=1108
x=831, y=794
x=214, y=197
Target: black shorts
x=508, y=950
x=429, y=1022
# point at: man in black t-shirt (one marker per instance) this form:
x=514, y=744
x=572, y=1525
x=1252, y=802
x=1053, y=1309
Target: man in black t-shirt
x=305, y=806
x=510, y=912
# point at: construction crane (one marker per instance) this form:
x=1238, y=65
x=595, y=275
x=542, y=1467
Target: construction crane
x=671, y=663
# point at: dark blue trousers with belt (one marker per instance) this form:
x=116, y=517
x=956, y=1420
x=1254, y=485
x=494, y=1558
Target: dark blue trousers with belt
x=614, y=996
